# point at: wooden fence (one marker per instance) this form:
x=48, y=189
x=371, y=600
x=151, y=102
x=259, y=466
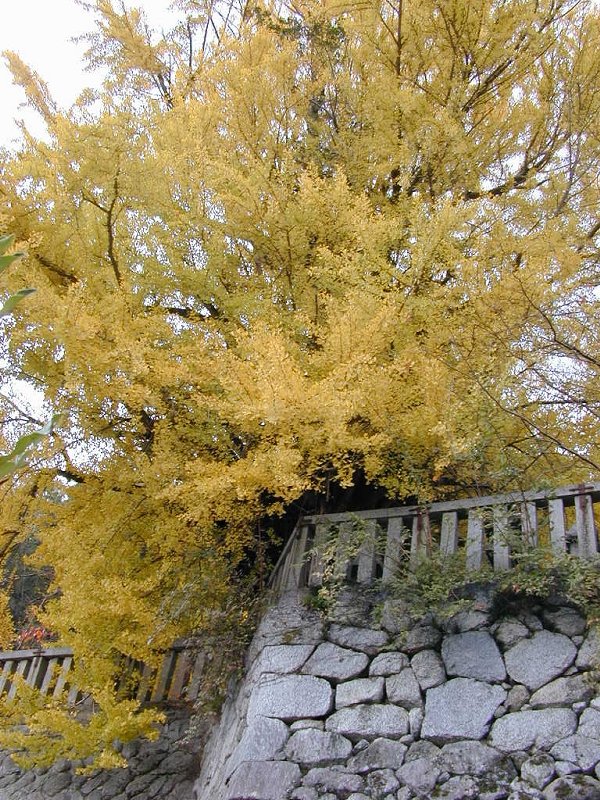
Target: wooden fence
x=364, y=546
x=359, y=547
x=49, y=670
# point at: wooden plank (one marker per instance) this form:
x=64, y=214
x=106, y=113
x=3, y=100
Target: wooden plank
x=283, y=574
x=556, y=516
x=501, y=522
x=449, y=534
x=475, y=540
x=162, y=682
x=34, y=671
x=50, y=667
x=342, y=554
x=181, y=674
x=197, y=673
x=20, y=671
x=392, y=559
x=586, y=528
x=367, y=555
x=529, y=525
x=293, y=574
x=275, y=580
x=145, y=681
x=5, y=674
x=315, y=577
x=308, y=538
x=420, y=540
x=51, y=652
x=62, y=676
x=276, y=572
x=511, y=498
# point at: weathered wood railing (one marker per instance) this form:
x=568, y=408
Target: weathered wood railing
x=50, y=670
x=360, y=547
x=487, y=530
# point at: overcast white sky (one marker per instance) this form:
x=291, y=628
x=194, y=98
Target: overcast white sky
x=40, y=32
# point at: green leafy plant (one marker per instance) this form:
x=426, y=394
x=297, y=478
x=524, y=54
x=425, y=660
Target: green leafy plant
x=441, y=585
x=339, y=557
x=17, y=457
x=541, y=574
x=438, y=584
x=6, y=259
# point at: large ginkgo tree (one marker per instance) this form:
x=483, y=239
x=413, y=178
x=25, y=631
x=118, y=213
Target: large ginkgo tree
x=288, y=248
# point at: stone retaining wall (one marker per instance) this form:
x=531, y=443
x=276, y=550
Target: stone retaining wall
x=346, y=708
x=368, y=702
x=160, y=770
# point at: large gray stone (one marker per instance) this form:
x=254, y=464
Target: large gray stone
x=565, y=620
x=304, y=793
x=314, y=748
x=419, y=775
x=369, y=722
x=53, y=784
x=589, y=724
x=521, y=790
x=428, y=668
x=290, y=697
x=538, y=770
x=262, y=740
x=289, y=622
x=460, y=787
x=422, y=637
x=460, y=709
x=589, y=652
x=351, y=606
x=364, y=639
x=263, y=780
x=301, y=724
x=396, y=616
x=494, y=791
x=509, y=632
x=579, y=750
x=360, y=690
x=380, y=754
x=517, y=697
x=531, y=620
x=415, y=721
x=336, y=663
x=388, y=664
x=423, y=749
x=573, y=787
x=381, y=783
x=473, y=654
x=404, y=690
x=283, y=658
x=470, y=758
x=333, y=780
x=562, y=692
x=468, y=620
x=538, y=660
x=526, y=729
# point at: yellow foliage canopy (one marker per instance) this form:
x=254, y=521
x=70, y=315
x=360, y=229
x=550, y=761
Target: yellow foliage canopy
x=284, y=249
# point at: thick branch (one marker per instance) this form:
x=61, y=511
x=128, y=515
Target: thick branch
x=52, y=267
x=110, y=214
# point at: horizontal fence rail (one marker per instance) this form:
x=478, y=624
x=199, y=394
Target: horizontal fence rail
x=364, y=546
x=49, y=671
